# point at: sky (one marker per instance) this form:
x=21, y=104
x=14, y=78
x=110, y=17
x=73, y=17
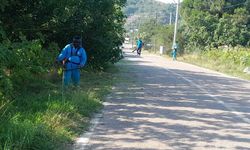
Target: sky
x=167, y=1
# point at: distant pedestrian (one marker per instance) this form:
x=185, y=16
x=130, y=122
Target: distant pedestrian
x=139, y=46
x=174, y=51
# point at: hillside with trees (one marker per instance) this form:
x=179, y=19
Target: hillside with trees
x=212, y=24
x=140, y=11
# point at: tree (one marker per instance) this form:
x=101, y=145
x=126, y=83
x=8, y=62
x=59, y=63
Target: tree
x=232, y=29
x=215, y=23
x=33, y=31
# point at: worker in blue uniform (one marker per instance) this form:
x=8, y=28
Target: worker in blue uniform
x=139, y=45
x=73, y=57
x=174, y=51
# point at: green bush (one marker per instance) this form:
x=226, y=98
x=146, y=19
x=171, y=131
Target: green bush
x=239, y=57
x=157, y=35
x=32, y=114
x=99, y=22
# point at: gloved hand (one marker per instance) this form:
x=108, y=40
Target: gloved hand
x=81, y=65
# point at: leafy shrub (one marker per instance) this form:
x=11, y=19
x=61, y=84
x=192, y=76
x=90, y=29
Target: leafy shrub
x=236, y=56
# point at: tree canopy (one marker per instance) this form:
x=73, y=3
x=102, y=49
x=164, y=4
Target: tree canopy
x=141, y=11
x=32, y=32
x=216, y=23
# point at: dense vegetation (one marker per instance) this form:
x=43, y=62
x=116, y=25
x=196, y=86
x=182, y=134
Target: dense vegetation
x=32, y=32
x=218, y=32
x=214, y=34
x=231, y=62
x=46, y=120
x=207, y=24
x=152, y=18
x=212, y=24
x=155, y=35
x=141, y=11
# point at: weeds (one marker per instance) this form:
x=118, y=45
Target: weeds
x=39, y=121
x=231, y=62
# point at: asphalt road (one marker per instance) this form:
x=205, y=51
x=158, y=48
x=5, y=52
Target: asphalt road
x=169, y=105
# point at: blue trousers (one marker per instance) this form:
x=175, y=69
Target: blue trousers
x=139, y=50
x=73, y=75
x=174, y=56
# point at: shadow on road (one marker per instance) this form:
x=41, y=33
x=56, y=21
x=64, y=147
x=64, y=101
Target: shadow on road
x=160, y=110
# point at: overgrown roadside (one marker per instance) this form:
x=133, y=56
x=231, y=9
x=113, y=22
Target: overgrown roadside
x=228, y=62
x=43, y=120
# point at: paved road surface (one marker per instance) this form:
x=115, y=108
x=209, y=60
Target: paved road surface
x=168, y=105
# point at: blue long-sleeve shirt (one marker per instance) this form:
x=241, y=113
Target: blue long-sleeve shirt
x=139, y=44
x=76, y=57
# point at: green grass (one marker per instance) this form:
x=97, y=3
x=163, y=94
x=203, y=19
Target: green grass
x=45, y=121
x=228, y=62
x=231, y=62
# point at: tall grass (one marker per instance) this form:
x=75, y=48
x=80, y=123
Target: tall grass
x=231, y=62
x=45, y=121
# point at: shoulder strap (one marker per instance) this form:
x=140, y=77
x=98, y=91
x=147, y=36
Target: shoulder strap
x=71, y=50
x=71, y=53
x=77, y=50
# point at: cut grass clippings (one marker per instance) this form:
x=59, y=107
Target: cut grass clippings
x=45, y=121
